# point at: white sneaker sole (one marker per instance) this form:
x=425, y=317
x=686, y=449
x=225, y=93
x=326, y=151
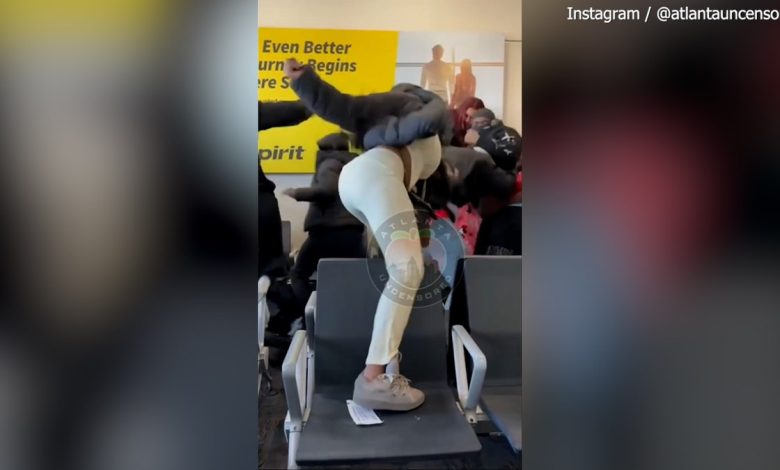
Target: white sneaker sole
x=377, y=405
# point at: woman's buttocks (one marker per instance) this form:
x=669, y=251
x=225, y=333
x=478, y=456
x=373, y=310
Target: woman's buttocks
x=369, y=170
x=426, y=155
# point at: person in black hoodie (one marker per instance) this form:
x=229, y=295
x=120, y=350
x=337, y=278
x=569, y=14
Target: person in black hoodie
x=503, y=143
x=502, y=218
x=501, y=232
x=270, y=258
x=474, y=175
x=333, y=231
x=402, y=132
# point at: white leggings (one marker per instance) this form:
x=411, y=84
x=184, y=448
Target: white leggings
x=372, y=189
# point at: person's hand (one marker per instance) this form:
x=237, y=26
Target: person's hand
x=293, y=69
x=452, y=174
x=290, y=192
x=471, y=137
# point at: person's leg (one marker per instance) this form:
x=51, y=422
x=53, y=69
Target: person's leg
x=305, y=265
x=502, y=234
x=345, y=243
x=270, y=258
x=484, y=235
x=341, y=242
x=404, y=265
x=375, y=203
x=508, y=232
x=323, y=243
x=378, y=202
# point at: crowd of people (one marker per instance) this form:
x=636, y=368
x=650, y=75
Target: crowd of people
x=419, y=155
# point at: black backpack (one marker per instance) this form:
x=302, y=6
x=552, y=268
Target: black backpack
x=503, y=143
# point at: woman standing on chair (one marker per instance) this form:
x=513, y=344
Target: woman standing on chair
x=402, y=132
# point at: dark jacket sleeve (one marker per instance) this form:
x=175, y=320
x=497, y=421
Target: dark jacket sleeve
x=327, y=186
x=280, y=114
x=399, y=132
x=459, y=196
x=346, y=111
x=486, y=179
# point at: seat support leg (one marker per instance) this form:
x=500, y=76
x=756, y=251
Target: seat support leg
x=293, y=449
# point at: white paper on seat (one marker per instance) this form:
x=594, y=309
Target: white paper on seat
x=362, y=416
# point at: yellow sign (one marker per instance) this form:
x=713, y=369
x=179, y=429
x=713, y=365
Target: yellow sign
x=355, y=62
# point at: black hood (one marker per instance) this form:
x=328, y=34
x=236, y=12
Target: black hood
x=335, y=141
x=334, y=146
x=342, y=156
x=424, y=95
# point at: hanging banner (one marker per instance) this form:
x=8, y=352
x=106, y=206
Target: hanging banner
x=453, y=65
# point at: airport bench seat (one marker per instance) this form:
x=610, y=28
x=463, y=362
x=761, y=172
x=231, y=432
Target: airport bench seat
x=503, y=405
x=494, y=324
x=331, y=437
x=339, y=324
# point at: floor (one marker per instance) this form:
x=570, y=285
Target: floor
x=272, y=446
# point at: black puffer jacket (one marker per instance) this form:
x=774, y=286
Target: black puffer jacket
x=394, y=119
x=325, y=208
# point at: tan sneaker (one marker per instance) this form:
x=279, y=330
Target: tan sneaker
x=387, y=392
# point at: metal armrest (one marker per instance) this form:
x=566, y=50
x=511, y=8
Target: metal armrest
x=292, y=387
x=262, y=310
x=311, y=304
x=262, y=319
x=310, y=314
x=468, y=392
x=262, y=287
x=309, y=317
x=448, y=300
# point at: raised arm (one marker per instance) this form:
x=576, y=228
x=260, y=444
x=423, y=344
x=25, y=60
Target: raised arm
x=346, y=111
x=327, y=187
x=280, y=114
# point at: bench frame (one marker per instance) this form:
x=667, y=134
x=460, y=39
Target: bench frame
x=469, y=390
x=298, y=379
x=263, y=315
